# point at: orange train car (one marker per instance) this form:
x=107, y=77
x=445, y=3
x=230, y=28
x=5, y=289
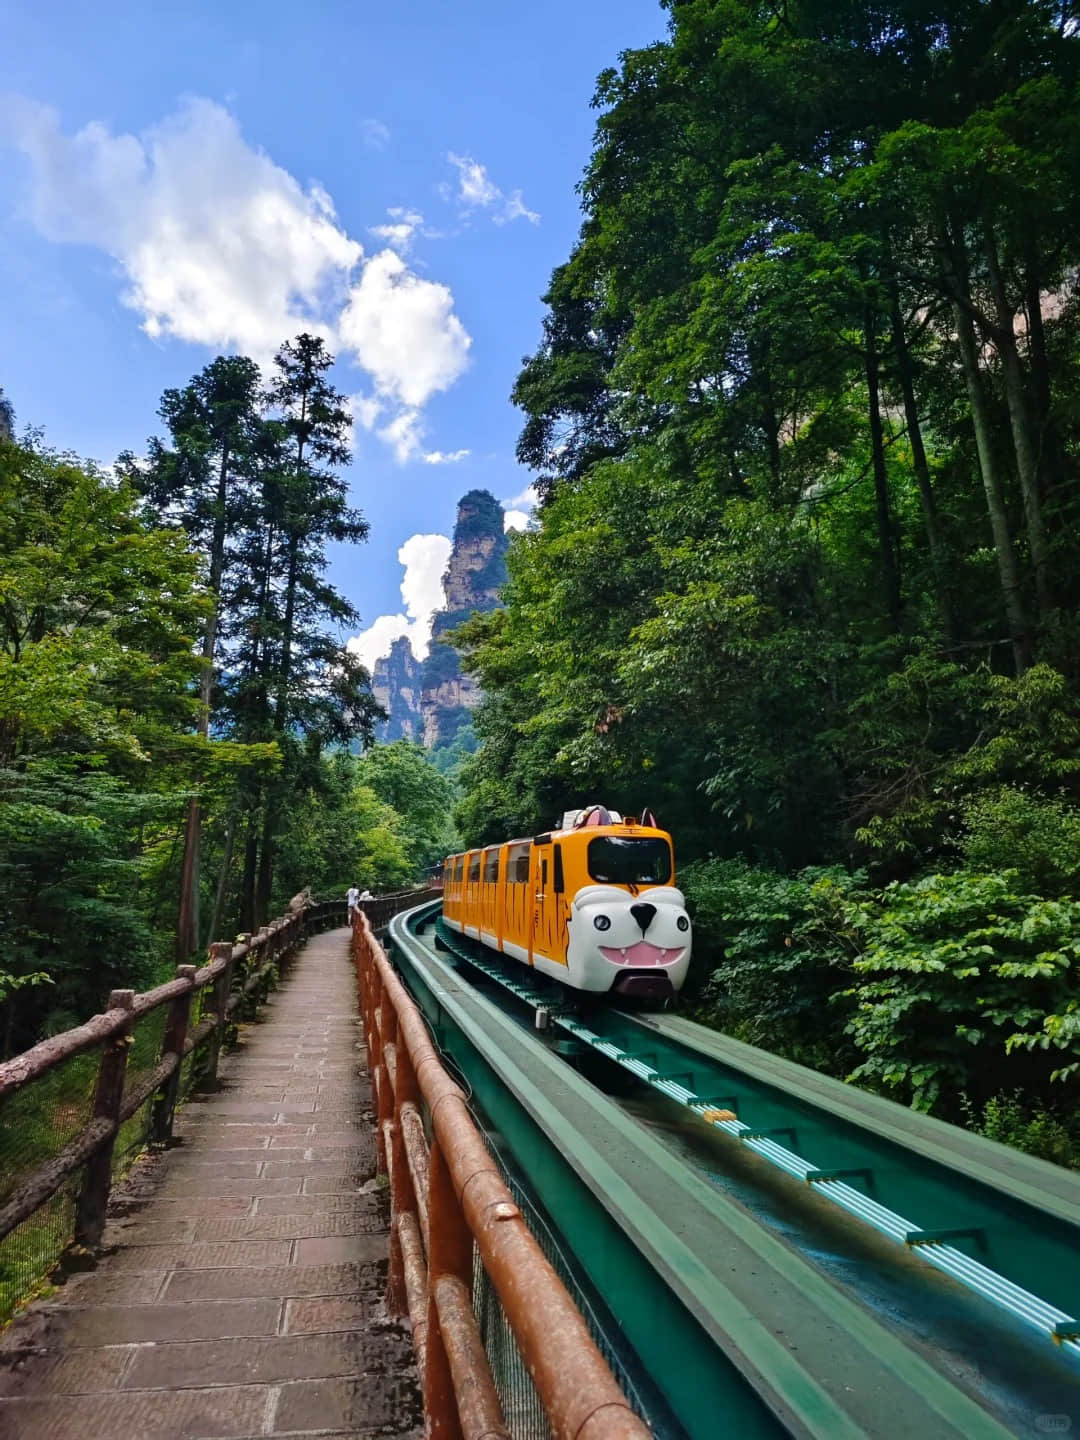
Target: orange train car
x=593, y=904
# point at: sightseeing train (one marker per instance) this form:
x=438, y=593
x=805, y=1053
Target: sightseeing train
x=592, y=904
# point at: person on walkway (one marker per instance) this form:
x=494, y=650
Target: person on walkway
x=352, y=899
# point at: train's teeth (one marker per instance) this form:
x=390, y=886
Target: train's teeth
x=624, y=952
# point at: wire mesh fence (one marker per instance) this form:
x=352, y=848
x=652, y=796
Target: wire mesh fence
x=522, y=1407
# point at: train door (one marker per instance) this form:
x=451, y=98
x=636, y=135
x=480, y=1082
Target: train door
x=560, y=909
x=539, y=865
x=545, y=873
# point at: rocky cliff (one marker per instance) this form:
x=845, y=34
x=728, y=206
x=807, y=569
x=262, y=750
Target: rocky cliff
x=476, y=571
x=395, y=684
x=430, y=700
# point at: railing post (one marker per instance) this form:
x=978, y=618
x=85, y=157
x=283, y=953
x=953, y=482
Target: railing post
x=271, y=960
x=256, y=959
x=380, y=1081
x=397, y=1162
x=220, y=950
x=97, y=1177
x=176, y=1026
x=451, y=1251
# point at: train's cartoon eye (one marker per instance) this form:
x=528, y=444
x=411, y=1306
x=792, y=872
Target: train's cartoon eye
x=602, y=922
x=683, y=923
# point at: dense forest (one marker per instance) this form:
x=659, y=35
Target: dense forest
x=179, y=715
x=805, y=422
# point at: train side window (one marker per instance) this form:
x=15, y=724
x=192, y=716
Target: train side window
x=459, y=869
x=517, y=865
x=491, y=867
x=474, y=869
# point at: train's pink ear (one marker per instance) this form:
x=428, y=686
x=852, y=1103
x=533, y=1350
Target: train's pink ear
x=597, y=815
x=649, y=819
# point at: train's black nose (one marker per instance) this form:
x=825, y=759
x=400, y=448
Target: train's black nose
x=643, y=913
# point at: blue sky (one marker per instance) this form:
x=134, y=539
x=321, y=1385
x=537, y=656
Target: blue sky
x=181, y=179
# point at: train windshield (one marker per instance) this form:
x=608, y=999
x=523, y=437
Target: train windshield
x=630, y=860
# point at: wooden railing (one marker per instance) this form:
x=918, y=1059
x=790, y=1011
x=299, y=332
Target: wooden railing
x=200, y=1005
x=446, y=1199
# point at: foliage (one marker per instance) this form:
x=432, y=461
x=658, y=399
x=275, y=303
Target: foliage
x=805, y=420
x=402, y=776
x=172, y=669
x=1009, y=1119
x=340, y=832
x=479, y=517
x=1016, y=829
x=96, y=674
x=773, y=956
x=956, y=979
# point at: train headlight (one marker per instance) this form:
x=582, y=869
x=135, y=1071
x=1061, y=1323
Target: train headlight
x=602, y=922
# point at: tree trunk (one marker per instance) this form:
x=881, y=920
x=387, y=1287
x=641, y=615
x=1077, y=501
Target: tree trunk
x=1019, y=630
x=187, y=924
x=1051, y=454
x=187, y=921
x=266, y=862
x=906, y=375
x=890, y=576
x=251, y=859
x=955, y=276
x=1027, y=465
x=223, y=879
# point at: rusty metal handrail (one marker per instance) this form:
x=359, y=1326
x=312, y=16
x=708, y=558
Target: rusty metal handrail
x=442, y=1202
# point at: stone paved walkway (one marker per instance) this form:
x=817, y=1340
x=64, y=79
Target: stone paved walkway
x=244, y=1294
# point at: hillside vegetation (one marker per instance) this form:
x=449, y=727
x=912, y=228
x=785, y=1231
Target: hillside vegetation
x=805, y=419
x=178, y=709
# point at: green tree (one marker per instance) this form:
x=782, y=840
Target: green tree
x=200, y=484
x=403, y=777
x=97, y=667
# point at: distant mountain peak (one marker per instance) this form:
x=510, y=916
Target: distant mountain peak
x=431, y=700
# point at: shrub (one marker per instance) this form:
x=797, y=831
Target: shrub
x=1011, y=1120
x=773, y=956
x=958, y=972
x=1017, y=830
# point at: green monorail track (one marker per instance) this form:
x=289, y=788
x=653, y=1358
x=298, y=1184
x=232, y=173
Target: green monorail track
x=999, y=1222
x=742, y=1335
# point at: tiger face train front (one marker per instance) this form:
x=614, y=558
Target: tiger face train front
x=593, y=904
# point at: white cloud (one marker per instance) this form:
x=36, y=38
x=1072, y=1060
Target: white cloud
x=396, y=236
x=528, y=497
x=474, y=186
x=425, y=558
x=222, y=248
x=405, y=434
x=444, y=457
x=375, y=134
x=477, y=191
x=403, y=331
x=399, y=234
x=365, y=410
x=374, y=642
x=519, y=509
x=516, y=209
x=219, y=245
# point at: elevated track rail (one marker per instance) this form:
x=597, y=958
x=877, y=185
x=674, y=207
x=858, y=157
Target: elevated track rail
x=733, y=1312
